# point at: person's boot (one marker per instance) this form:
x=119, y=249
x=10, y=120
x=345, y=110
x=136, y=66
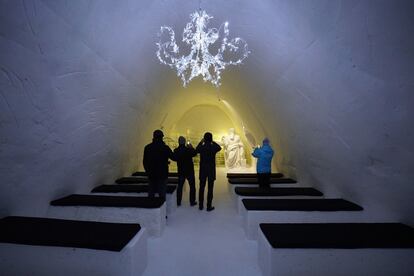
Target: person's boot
x=200, y=207
x=193, y=203
x=210, y=208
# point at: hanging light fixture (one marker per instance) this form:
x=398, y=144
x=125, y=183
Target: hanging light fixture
x=201, y=40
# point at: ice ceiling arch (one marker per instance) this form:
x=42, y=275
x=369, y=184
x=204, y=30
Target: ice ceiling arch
x=81, y=92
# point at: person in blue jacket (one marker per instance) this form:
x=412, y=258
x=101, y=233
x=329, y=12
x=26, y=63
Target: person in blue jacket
x=264, y=157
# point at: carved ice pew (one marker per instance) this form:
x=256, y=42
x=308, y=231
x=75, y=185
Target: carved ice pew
x=341, y=249
x=141, y=179
x=141, y=173
x=131, y=189
x=50, y=247
x=251, y=175
x=148, y=212
x=243, y=181
x=276, y=193
x=258, y=211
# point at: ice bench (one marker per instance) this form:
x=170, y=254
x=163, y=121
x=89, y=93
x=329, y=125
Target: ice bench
x=258, y=211
x=128, y=189
x=251, y=175
x=243, y=181
x=148, y=212
x=314, y=249
x=141, y=179
x=252, y=182
x=49, y=247
x=286, y=192
x=141, y=173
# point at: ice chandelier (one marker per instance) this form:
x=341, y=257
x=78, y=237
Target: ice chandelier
x=200, y=61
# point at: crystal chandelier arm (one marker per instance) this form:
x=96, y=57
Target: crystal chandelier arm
x=189, y=33
x=167, y=50
x=240, y=50
x=212, y=36
x=184, y=66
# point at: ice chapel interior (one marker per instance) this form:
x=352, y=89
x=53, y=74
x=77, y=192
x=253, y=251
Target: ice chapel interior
x=329, y=83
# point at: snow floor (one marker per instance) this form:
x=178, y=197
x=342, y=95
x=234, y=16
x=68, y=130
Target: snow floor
x=204, y=243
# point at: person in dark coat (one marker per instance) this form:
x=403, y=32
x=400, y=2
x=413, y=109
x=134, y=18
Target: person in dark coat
x=156, y=155
x=207, y=149
x=183, y=155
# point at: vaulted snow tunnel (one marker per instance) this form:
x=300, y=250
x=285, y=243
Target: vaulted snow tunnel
x=329, y=82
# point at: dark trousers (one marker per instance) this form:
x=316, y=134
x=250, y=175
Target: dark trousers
x=191, y=183
x=209, y=192
x=157, y=186
x=264, y=180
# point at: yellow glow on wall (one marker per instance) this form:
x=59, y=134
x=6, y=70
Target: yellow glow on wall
x=198, y=108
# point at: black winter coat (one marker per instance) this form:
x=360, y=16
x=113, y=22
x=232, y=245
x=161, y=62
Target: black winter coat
x=207, y=153
x=184, y=157
x=156, y=155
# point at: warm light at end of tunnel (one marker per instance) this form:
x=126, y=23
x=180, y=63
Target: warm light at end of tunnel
x=198, y=108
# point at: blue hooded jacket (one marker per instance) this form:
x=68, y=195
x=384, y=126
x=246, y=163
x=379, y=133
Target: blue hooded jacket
x=264, y=158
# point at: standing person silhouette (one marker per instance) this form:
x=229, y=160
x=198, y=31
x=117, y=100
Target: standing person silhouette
x=264, y=157
x=183, y=155
x=156, y=155
x=207, y=149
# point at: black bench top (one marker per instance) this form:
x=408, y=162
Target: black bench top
x=67, y=233
x=256, y=191
x=141, y=179
x=300, y=205
x=128, y=188
x=109, y=201
x=255, y=181
x=251, y=175
x=338, y=235
x=170, y=174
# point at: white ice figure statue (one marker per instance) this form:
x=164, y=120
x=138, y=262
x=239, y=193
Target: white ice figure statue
x=233, y=150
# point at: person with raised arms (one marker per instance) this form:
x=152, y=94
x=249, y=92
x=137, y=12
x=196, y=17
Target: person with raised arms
x=207, y=149
x=183, y=155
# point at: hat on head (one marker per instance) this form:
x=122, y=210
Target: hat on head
x=266, y=140
x=158, y=134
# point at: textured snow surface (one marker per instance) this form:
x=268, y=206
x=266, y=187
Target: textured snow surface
x=328, y=81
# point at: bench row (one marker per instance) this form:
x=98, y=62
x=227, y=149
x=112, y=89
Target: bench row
x=92, y=234
x=300, y=233
x=124, y=207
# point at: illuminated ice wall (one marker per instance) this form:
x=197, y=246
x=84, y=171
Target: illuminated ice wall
x=329, y=82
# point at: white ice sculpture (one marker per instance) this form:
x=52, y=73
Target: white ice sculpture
x=201, y=40
x=233, y=150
